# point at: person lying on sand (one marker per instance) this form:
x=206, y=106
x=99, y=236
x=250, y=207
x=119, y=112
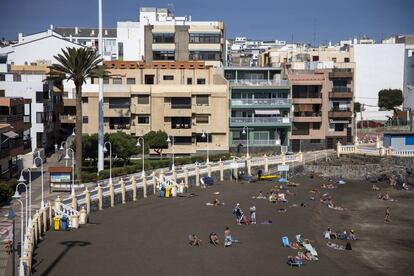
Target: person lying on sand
x=314, y=191
x=352, y=235
x=289, y=192
x=329, y=234
x=216, y=202
x=375, y=187
x=328, y=186
x=335, y=207
x=260, y=196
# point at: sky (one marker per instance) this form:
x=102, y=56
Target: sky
x=309, y=21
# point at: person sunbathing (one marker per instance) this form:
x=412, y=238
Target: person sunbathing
x=352, y=235
x=195, y=241
x=214, y=240
x=260, y=196
x=289, y=192
x=314, y=191
x=329, y=234
x=375, y=187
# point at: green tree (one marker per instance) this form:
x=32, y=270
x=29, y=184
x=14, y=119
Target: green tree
x=357, y=107
x=389, y=99
x=123, y=145
x=89, y=146
x=156, y=140
x=77, y=64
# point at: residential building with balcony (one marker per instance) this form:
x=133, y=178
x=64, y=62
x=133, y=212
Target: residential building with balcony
x=322, y=108
x=260, y=102
x=14, y=134
x=184, y=99
x=159, y=35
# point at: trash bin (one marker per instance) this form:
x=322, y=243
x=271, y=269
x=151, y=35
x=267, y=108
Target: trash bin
x=162, y=192
x=167, y=192
x=56, y=223
x=64, y=223
x=174, y=191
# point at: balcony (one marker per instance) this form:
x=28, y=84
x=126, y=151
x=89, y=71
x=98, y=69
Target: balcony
x=258, y=83
x=307, y=117
x=281, y=102
x=117, y=110
x=67, y=119
x=16, y=121
x=345, y=73
x=307, y=100
x=260, y=121
x=257, y=143
x=201, y=109
x=340, y=113
x=140, y=129
x=69, y=102
x=141, y=109
x=177, y=110
x=113, y=128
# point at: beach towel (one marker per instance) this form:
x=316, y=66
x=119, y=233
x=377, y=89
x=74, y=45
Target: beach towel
x=335, y=246
x=285, y=241
x=294, y=261
x=312, y=250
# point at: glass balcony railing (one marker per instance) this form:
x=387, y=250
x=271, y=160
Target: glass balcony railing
x=270, y=142
x=281, y=101
x=247, y=82
x=260, y=120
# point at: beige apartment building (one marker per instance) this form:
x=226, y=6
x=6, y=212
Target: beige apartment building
x=322, y=107
x=184, y=99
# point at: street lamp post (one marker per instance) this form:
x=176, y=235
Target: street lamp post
x=205, y=135
x=42, y=203
x=17, y=198
x=172, y=144
x=246, y=131
x=17, y=195
x=105, y=150
x=67, y=157
x=64, y=149
x=143, y=153
x=22, y=180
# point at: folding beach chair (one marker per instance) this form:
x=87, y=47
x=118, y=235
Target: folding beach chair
x=298, y=239
x=310, y=249
x=285, y=241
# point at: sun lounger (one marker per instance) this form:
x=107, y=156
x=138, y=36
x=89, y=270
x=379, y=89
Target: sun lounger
x=295, y=262
x=285, y=241
x=298, y=239
x=310, y=248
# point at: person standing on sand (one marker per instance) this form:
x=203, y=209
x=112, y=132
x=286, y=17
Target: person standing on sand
x=387, y=215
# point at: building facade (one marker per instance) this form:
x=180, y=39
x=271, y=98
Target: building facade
x=260, y=107
x=322, y=108
x=184, y=99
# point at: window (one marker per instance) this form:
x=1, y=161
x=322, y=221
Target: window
x=180, y=122
x=168, y=77
x=202, y=100
x=39, y=97
x=201, y=139
x=183, y=140
x=202, y=119
x=180, y=102
x=117, y=81
x=189, y=80
x=261, y=135
x=39, y=117
x=315, y=141
x=130, y=80
x=143, y=99
x=346, y=59
x=143, y=120
x=85, y=99
x=85, y=119
x=2, y=77
x=204, y=38
x=119, y=102
x=205, y=55
x=17, y=77
x=339, y=127
x=120, y=50
x=201, y=81
x=163, y=37
x=149, y=79
x=106, y=80
x=316, y=125
x=163, y=55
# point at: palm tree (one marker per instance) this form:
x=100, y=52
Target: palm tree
x=77, y=64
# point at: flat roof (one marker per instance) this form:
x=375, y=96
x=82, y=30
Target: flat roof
x=253, y=68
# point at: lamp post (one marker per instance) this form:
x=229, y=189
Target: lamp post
x=172, y=144
x=105, y=150
x=100, y=96
x=22, y=180
x=64, y=149
x=11, y=215
x=205, y=135
x=17, y=198
x=17, y=195
x=143, y=153
x=73, y=131
x=67, y=157
x=246, y=131
x=42, y=203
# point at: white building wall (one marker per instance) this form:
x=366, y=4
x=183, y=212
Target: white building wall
x=409, y=77
x=377, y=66
x=131, y=34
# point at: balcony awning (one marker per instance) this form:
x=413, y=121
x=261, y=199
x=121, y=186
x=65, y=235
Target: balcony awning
x=338, y=122
x=11, y=134
x=267, y=112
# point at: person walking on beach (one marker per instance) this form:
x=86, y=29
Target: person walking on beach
x=252, y=214
x=387, y=215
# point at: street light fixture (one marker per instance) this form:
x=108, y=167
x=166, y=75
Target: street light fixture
x=42, y=203
x=22, y=180
x=105, y=150
x=73, y=132
x=172, y=144
x=246, y=131
x=205, y=135
x=17, y=195
x=143, y=153
x=67, y=157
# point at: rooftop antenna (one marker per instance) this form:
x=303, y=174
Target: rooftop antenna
x=314, y=32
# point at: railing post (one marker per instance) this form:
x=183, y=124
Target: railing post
x=87, y=200
x=134, y=188
x=34, y=223
x=356, y=146
x=144, y=186
x=43, y=210
x=74, y=201
x=100, y=199
x=377, y=142
x=50, y=214
x=234, y=168
x=174, y=175
x=208, y=165
x=186, y=176
x=161, y=176
x=122, y=190
x=221, y=170
x=57, y=203
x=154, y=183
x=111, y=194
x=249, y=165
x=338, y=149
x=38, y=224
x=74, y=219
x=266, y=164
x=83, y=216
x=283, y=158
x=197, y=175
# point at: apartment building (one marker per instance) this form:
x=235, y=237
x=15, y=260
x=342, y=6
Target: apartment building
x=14, y=134
x=159, y=35
x=322, y=107
x=184, y=99
x=260, y=106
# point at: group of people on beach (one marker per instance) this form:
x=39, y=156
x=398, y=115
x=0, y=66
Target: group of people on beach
x=214, y=239
x=241, y=217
